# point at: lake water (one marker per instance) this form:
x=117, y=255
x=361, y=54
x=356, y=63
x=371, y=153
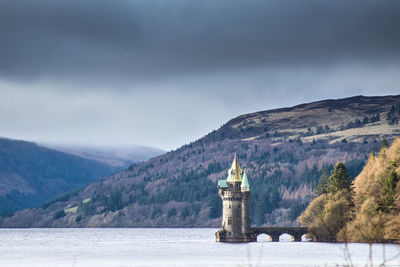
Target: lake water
x=172, y=247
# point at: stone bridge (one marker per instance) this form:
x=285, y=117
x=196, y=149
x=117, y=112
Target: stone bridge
x=275, y=232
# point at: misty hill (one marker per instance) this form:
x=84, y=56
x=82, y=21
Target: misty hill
x=284, y=152
x=115, y=156
x=31, y=174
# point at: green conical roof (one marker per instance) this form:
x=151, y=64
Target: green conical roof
x=222, y=184
x=245, y=183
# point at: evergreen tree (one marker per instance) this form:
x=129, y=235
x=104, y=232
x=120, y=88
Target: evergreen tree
x=59, y=214
x=389, y=190
x=322, y=187
x=296, y=210
x=214, y=204
x=114, y=201
x=332, y=208
x=156, y=212
x=87, y=209
x=339, y=179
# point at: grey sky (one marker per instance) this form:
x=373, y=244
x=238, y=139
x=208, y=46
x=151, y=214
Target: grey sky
x=164, y=73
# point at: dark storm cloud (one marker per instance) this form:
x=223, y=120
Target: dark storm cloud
x=134, y=40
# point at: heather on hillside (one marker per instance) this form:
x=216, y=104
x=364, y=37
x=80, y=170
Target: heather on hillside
x=284, y=152
x=281, y=179
x=371, y=214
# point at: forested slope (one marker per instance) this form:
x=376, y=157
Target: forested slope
x=284, y=152
x=31, y=174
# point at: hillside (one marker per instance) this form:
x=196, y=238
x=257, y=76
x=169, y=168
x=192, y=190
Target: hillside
x=31, y=174
x=284, y=152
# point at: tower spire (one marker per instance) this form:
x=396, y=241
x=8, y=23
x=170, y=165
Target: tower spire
x=235, y=173
x=237, y=170
x=245, y=183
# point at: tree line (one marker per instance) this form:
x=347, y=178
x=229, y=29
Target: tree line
x=367, y=210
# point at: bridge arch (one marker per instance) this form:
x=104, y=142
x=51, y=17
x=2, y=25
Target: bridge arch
x=306, y=238
x=294, y=233
x=263, y=238
x=285, y=237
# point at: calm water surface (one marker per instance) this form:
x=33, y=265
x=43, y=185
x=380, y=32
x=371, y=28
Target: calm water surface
x=172, y=247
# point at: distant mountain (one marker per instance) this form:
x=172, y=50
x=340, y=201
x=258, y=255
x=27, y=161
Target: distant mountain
x=31, y=174
x=284, y=152
x=115, y=156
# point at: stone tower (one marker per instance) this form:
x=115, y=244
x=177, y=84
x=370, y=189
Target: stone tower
x=235, y=194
